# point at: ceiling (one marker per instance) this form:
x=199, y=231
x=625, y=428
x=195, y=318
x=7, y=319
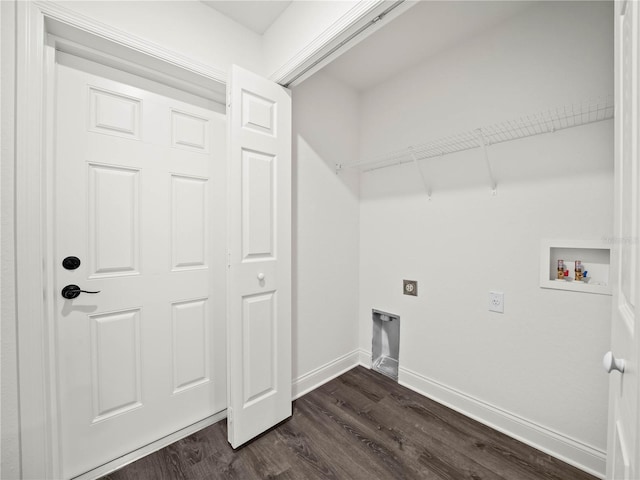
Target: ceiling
x=424, y=30
x=255, y=15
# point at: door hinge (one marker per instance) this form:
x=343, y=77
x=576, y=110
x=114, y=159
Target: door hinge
x=228, y=259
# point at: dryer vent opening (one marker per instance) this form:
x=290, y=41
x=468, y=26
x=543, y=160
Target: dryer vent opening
x=385, y=344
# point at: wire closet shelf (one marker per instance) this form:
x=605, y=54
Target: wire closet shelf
x=548, y=121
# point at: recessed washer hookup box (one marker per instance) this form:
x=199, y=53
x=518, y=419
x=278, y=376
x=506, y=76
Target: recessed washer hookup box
x=385, y=343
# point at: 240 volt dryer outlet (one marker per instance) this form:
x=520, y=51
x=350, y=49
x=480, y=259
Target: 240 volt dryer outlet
x=496, y=302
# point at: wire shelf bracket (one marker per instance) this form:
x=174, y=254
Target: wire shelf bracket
x=483, y=145
x=420, y=172
x=548, y=121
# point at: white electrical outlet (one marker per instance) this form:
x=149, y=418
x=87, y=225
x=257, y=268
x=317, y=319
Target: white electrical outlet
x=496, y=302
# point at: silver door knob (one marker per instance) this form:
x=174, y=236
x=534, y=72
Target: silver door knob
x=261, y=276
x=612, y=363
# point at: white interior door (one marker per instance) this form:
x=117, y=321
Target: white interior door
x=623, y=456
x=140, y=200
x=259, y=301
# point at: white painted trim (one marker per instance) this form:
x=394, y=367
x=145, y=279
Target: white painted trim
x=346, y=39
x=152, y=447
x=321, y=375
x=48, y=252
x=325, y=41
x=66, y=16
x=364, y=358
x=36, y=435
x=190, y=83
x=576, y=453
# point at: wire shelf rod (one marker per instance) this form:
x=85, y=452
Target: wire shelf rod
x=548, y=121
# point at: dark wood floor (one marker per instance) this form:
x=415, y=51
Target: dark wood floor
x=359, y=426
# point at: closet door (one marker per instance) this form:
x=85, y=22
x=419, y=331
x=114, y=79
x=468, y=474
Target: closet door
x=623, y=361
x=259, y=256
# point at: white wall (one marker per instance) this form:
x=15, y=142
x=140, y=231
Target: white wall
x=189, y=28
x=9, y=421
x=539, y=362
x=325, y=231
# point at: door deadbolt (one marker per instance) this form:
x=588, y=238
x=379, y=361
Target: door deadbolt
x=71, y=263
x=72, y=291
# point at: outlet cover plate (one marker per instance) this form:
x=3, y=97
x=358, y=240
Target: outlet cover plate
x=496, y=302
x=410, y=287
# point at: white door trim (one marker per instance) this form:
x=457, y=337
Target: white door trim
x=35, y=21
x=68, y=24
x=302, y=64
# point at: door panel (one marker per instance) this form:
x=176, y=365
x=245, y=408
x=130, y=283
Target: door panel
x=259, y=321
x=259, y=346
x=115, y=362
x=190, y=344
x=188, y=222
x=623, y=462
x=140, y=198
x=189, y=132
x=114, y=223
x=620, y=462
x=259, y=206
x=114, y=114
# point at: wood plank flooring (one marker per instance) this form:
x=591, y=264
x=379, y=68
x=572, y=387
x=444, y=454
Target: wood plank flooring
x=361, y=425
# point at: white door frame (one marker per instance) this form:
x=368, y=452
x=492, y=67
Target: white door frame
x=35, y=22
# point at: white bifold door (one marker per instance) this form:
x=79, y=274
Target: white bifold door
x=623, y=451
x=144, y=281
x=259, y=321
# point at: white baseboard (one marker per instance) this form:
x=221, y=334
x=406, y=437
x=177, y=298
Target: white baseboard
x=152, y=447
x=321, y=375
x=569, y=450
x=364, y=358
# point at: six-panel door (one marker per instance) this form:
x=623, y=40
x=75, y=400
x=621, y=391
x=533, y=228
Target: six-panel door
x=140, y=193
x=259, y=321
